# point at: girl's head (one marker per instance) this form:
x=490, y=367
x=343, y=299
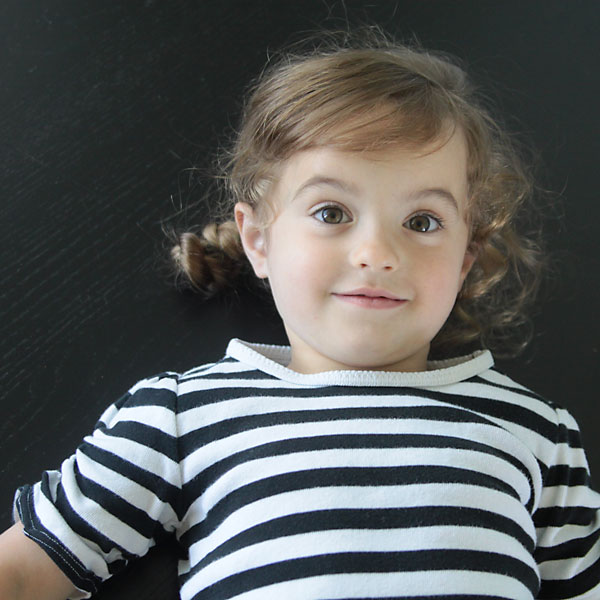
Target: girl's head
x=374, y=98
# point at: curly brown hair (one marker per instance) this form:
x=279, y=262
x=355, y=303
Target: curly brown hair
x=366, y=92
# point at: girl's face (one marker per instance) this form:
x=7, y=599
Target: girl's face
x=366, y=253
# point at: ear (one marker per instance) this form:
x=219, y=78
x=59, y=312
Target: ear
x=468, y=261
x=253, y=238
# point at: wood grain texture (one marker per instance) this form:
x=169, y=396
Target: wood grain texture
x=106, y=108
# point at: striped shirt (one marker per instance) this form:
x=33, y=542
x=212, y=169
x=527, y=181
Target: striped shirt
x=454, y=483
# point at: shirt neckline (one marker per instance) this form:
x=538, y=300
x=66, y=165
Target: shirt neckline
x=271, y=359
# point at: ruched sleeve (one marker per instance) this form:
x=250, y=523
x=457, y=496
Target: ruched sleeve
x=117, y=496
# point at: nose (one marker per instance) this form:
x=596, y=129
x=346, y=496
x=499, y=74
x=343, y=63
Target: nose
x=374, y=250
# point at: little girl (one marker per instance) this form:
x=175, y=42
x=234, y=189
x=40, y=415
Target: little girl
x=377, y=196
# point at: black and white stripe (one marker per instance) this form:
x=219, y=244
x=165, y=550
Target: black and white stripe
x=456, y=483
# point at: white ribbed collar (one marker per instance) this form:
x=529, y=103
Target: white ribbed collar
x=271, y=360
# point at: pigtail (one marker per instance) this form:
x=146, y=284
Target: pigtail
x=209, y=263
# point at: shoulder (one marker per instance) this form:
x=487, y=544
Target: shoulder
x=500, y=385
x=545, y=427
x=526, y=408
x=166, y=389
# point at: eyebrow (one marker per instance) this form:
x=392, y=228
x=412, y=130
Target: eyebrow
x=441, y=193
x=319, y=180
x=345, y=186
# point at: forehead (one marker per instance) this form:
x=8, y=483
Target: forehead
x=440, y=164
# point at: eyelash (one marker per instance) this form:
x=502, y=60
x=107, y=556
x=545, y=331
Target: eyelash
x=438, y=220
x=321, y=209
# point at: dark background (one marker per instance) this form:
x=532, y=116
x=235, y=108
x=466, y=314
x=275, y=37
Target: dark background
x=106, y=108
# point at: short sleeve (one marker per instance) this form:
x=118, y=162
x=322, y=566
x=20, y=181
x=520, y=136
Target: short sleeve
x=568, y=520
x=117, y=495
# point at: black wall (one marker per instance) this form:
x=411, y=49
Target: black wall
x=106, y=107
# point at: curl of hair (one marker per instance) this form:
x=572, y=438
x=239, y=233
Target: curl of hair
x=362, y=91
x=210, y=262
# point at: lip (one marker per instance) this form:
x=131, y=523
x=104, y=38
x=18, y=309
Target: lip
x=371, y=298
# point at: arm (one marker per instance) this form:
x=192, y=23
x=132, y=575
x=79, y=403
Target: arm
x=27, y=572
x=568, y=519
x=87, y=514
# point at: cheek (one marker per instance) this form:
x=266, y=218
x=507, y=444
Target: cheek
x=295, y=268
x=441, y=278
x=298, y=258
x=304, y=277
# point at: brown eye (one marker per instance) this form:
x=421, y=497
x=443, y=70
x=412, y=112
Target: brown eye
x=331, y=215
x=423, y=223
